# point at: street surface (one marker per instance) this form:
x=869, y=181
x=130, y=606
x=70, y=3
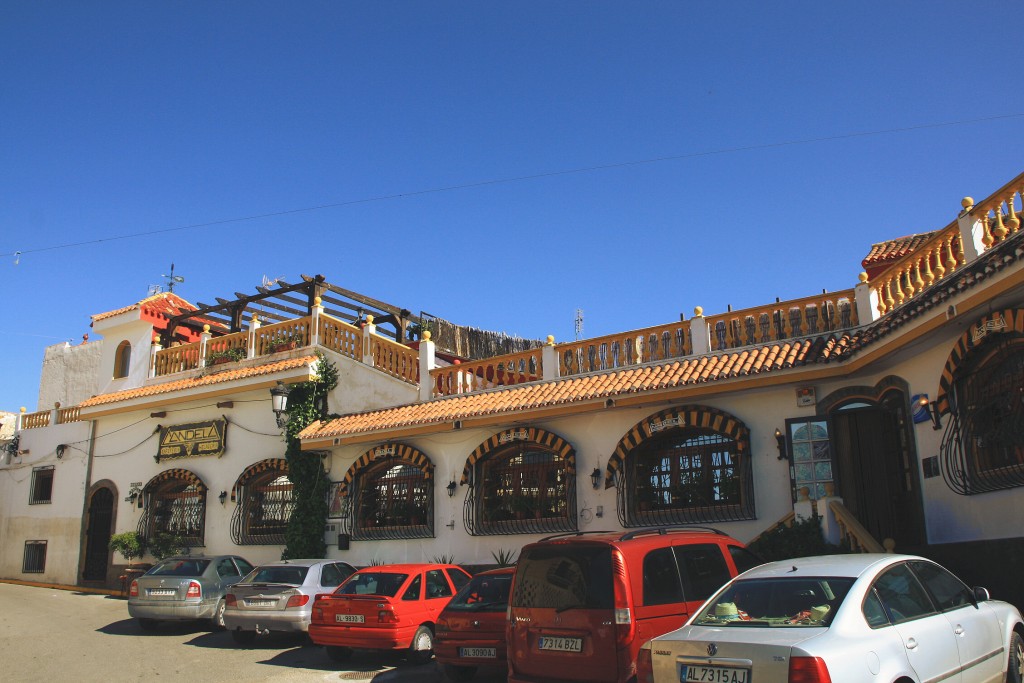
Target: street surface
x=56, y=635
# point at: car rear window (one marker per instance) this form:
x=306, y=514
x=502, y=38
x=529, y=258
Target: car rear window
x=180, y=568
x=564, y=576
x=373, y=583
x=775, y=602
x=483, y=594
x=289, y=575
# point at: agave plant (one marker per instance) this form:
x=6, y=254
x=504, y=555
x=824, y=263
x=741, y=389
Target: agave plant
x=503, y=557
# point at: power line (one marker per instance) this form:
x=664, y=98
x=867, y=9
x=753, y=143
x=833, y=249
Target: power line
x=516, y=179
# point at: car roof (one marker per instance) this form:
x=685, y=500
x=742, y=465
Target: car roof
x=496, y=572
x=301, y=563
x=853, y=565
x=408, y=567
x=653, y=535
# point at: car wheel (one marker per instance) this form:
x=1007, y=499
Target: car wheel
x=459, y=674
x=338, y=653
x=422, y=648
x=218, y=616
x=147, y=624
x=1015, y=667
x=243, y=637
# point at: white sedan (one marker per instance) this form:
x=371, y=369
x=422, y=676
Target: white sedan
x=842, y=619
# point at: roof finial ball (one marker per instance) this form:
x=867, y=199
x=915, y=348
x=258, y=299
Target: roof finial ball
x=426, y=335
x=863, y=277
x=698, y=311
x=967, y=203
x=551, y=340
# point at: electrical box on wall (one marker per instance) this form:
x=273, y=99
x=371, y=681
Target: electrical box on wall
x=805, y=397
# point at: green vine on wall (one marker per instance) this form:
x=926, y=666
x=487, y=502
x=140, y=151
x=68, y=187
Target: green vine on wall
x=307, y=403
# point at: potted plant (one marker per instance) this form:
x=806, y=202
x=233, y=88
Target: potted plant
x=164, y=544
x=129, y=544
x=284, y=341
x=225, y=356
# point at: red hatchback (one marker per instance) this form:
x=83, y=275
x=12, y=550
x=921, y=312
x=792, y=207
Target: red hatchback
x=389, y=607
x=471, y=630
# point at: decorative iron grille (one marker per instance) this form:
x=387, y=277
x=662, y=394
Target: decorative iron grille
x=983, y=445
x=688, y=476
x=530, y=491
x=390, y=501
x=177, y=508
x=263, y=510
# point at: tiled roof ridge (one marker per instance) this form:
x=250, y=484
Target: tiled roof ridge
x=178, y=302
x=895, y=248
x=199, y=381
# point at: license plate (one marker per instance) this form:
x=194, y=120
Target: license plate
x=260, y=603
x=162, y=591
x=349, y=618
x=478, y=652
x=713, y=674
x=560, y=644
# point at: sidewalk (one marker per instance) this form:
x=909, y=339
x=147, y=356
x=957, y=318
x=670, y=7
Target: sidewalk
x=63, y=587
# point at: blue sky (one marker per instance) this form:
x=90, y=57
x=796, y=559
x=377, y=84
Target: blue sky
x=120, y=118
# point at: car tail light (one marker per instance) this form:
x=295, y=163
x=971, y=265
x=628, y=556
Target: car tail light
x=625, y=629
x=194, y=590
x=644, y=666
x=297, y=601
x=230, y=600
x=808, y=670
x=387, y=616
x=133, y=592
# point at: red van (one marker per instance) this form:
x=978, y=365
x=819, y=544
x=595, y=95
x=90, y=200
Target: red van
x=471, y=629
x=582, y=604
x=389, y=607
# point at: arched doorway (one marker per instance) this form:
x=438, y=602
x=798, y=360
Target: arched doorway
x=97, y=535
x=876, y=465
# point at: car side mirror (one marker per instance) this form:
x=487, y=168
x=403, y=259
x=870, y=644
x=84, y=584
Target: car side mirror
x=981, y=594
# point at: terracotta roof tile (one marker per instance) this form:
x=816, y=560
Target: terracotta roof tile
x=884, y=253
x=165, y=304
x=199, y=381
x=584, y=388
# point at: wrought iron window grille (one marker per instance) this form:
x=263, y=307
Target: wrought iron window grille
x=391, y=501
x=263, y=511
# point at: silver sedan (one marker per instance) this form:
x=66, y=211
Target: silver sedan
x=279, y=596
x=180, y=588
x=844, y=619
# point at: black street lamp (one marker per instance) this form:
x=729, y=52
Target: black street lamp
x=279, y=401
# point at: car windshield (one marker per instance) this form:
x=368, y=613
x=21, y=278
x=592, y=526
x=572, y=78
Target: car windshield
x=483, y=594
x=180, y=567
x=565, y=577
x=372, y=583
x=785, y=602
x=290, y=575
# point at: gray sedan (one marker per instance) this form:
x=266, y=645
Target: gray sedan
x=279, y=596
x=183, y=588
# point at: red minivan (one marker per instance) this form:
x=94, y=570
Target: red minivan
x=388, y=607
x=471, y=629
x=582, y=604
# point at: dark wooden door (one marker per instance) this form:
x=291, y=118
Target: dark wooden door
x=877, y=474
x=97, y=535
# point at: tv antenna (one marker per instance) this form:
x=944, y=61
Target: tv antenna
x=579, y=323
x=173, y=279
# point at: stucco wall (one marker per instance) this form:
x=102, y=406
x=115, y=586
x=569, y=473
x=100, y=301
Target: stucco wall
x=69, y=374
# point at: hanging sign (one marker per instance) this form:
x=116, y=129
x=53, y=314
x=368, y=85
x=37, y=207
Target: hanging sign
x=192, y=440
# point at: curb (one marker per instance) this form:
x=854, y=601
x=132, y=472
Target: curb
x=63, y=587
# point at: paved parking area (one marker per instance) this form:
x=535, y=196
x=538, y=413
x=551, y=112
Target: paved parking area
x=51, y=635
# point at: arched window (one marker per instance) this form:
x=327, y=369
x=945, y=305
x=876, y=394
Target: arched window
x=122, y=359
x=175, y=503
x=683, y=466
x=522, y=481
x=983, y=446
x=390, y=494
x=264, y=504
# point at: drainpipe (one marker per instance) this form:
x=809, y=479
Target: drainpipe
x=82, y=536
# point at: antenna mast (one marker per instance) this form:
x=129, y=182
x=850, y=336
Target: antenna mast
x=579, y=323
x=173, y=279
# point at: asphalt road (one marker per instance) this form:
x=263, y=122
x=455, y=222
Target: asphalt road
x=56, y=635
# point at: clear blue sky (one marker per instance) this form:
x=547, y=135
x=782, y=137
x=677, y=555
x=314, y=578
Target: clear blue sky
x=131, y=117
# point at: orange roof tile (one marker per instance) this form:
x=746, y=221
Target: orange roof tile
x=884, y=253
x=164, y=304
x=199, y=381
x=585, y=388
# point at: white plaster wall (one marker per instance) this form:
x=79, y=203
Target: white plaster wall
x=138, y=333
x=362, y=387
x=57, y=522
x=69, y=374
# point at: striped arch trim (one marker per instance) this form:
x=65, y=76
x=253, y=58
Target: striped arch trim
x=186, y=476
x=677, y=418
x=395, y=451
x=276, y=464
x=998, y=322
x=533, y=435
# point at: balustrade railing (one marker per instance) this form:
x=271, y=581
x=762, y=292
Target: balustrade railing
x=999, y=224
x=852, y=533
x=235, y=344
x=65, y=415
x=176, y=359
x=395, y=359
x=339, y=336
x=661, y=342
x=35, y=420
x=283, y=336
x=508, y=369
x=783, y=320
x=936, y=258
